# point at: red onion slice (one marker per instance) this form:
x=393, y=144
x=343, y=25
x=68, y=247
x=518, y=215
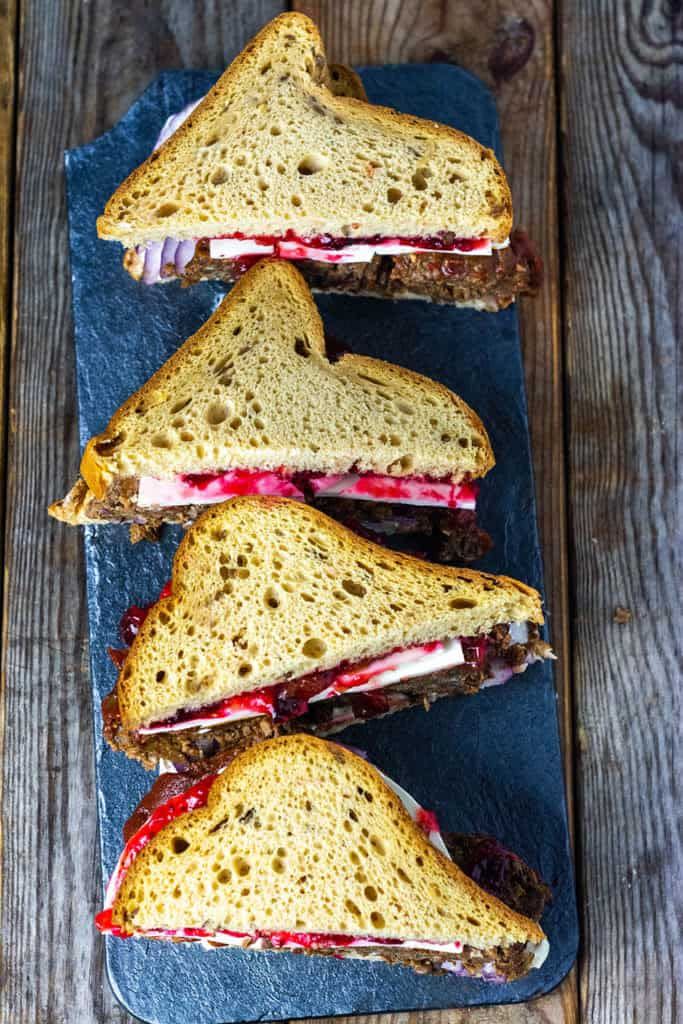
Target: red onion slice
x=168, y=254
x=152, y=265
x=173, y=123
x=184, y=254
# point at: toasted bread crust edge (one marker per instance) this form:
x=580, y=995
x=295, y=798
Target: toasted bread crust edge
x=514, y=921
x=108, y=227
x=131, y=722
x=99, y=473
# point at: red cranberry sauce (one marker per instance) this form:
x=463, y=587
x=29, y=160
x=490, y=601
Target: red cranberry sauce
x=444, y=241
x=427, y=820
x=190, y=800
x=130, y=624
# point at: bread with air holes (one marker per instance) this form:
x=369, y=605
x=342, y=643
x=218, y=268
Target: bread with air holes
x=344, y=81
x=302, y=835
x=268, y=589
x=272, y=148
x=253, y=388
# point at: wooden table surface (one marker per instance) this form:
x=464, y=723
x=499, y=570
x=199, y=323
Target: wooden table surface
x=589, y=95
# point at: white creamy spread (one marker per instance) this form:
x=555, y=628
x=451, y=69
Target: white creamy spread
x=360, y=252
x=398, y=490
x=198, y=722
x=157, y=493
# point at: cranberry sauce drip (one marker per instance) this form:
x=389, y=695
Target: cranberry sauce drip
x=130, y=624
x=190, y=800
x=427, y=820
x=444, y=241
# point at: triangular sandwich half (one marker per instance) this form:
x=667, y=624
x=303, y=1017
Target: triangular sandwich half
x=301, y=845
x=278, y=619
x=252, y=403
x=277, y=160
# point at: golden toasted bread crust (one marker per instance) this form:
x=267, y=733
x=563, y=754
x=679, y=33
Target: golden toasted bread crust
x=402, y=886
x=404, y=175
x=344, y=81
x=239, y=620
x=313, y=414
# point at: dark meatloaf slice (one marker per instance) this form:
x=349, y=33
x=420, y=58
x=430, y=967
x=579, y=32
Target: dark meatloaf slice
x=484, y=282
x=445, y=535
x=482, y=857
x=449, y=536
x=193, y=745
x=199, y=744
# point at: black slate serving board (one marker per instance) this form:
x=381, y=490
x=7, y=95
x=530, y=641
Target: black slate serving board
x=488, y=763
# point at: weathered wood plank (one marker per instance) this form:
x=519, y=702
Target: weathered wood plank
x=53, y=963
x=621, y=86
x=8, y=38
x=81, y=66
x=510, y=46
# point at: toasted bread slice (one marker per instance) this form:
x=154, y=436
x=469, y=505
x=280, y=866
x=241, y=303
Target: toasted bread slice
x=254, y=388
x=343, y=81
x=302, y=836
x=267, y=589
x=271, y=148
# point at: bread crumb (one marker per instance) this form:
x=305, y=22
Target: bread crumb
x=143, y=531
x=622, y=615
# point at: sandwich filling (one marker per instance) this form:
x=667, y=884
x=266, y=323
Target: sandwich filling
x=195, y=797
x=159, y=261
x=286, y=701
x=170, y=257
x=472, y=272
x=209, y=488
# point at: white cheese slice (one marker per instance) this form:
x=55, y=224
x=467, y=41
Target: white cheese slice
x=233, y=248
x=401, y=665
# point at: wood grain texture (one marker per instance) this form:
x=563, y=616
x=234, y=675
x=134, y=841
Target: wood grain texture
x=8, y=35
x=511, y=47
x=82, y=64
x=81, y=67
x=622, y=82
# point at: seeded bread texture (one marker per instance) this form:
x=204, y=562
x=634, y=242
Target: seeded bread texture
x=271, y=148
x=302, y=835
x=268, y=589
x=254, y=388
